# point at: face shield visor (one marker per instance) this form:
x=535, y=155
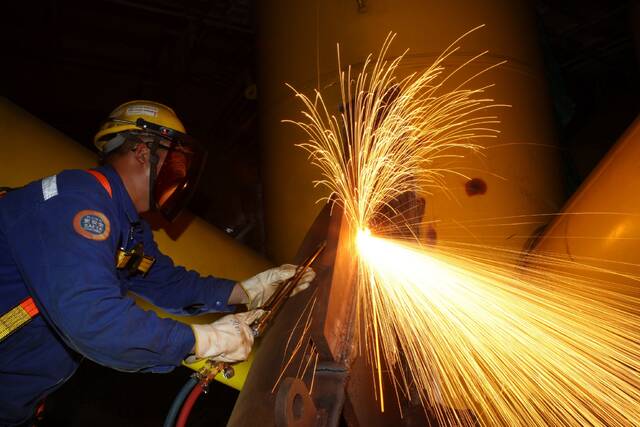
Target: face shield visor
x=178, y=177
x=172, y=184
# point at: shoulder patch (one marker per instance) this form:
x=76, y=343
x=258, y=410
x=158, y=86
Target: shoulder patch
x=91, y=224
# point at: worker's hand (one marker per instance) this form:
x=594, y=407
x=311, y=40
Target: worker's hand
x=228, y=339
x=261, y=286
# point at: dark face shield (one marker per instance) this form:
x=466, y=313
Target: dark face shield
x=173, y=185
x=178, y=177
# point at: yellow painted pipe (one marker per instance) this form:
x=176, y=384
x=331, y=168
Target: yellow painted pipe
x=298, y=46
x=32, y=149
x=601, y=222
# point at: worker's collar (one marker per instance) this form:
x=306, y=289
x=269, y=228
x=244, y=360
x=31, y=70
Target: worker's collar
x=120, y=192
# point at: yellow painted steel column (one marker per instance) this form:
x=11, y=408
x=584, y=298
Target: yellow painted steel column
x=32, y=149
x=600, y=224
x=298, y=46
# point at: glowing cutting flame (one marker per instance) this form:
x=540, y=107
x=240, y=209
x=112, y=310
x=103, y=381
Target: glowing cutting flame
x=405, y=265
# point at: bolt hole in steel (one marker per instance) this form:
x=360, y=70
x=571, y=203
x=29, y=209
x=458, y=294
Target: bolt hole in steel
x=475, y=187
x=294, y=406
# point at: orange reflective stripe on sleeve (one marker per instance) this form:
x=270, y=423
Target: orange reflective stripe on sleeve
x=102, y=180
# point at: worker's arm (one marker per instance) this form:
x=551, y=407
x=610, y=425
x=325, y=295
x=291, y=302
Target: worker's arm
x=184, y=292
x=181, y=291
x=65, y=251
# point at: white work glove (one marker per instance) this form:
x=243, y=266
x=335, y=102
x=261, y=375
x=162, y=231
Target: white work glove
x=228, y=339
x=261, y=286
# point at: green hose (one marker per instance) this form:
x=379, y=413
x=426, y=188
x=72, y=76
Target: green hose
x=170, y=421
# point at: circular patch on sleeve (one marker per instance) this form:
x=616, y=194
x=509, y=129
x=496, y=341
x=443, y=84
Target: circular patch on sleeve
x=93, y=225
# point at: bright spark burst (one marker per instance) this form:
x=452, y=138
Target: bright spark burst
x=537, y=348
x=393, y=132
x=520, y=345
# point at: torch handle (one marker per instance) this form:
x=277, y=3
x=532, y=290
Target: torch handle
x=276, y=301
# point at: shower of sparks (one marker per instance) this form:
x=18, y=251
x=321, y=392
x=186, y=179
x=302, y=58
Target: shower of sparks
x=300, y=348
x=481, y=339
x=393, y=132
x=534, y=348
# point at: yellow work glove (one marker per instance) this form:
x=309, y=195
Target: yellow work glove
x=261, y=286
x=228, y=339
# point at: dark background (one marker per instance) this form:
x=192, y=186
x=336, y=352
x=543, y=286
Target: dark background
x=70, y=62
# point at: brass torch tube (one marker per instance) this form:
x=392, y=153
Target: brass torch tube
x=275, y=302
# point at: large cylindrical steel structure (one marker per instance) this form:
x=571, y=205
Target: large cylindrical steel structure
x=521, y=170
x=32, y=149
x=600, y=225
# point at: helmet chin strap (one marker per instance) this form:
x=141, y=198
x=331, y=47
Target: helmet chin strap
x=153, y=164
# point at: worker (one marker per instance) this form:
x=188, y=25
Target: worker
x=72, y=246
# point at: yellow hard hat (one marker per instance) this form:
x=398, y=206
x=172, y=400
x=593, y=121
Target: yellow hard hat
x=124, y=119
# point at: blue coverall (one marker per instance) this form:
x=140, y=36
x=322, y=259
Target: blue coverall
x=58, y=242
